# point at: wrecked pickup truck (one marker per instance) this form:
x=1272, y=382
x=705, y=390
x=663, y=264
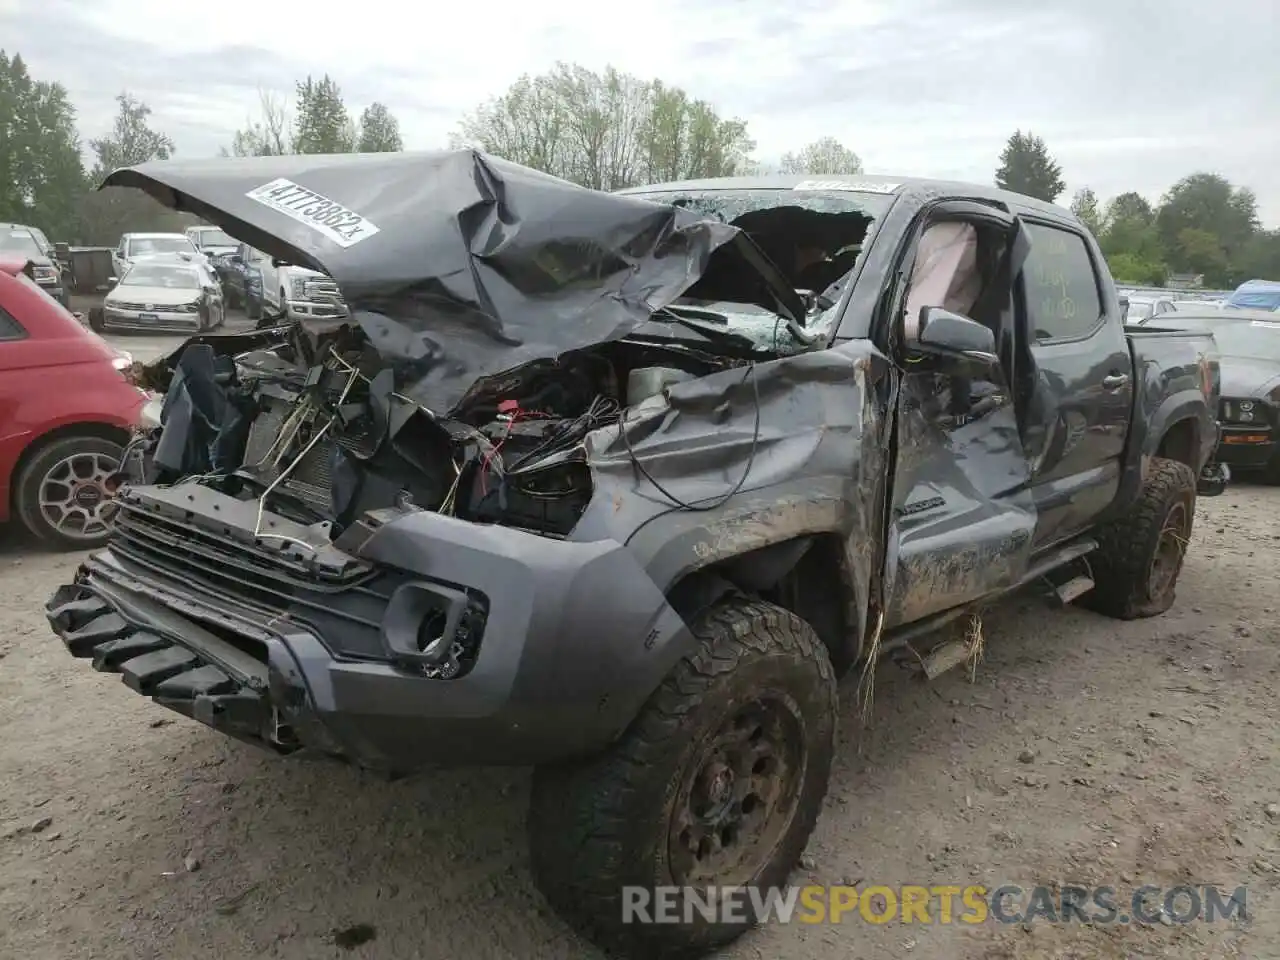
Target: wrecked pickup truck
x=617, y=485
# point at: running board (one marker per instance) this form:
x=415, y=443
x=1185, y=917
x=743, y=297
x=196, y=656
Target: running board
x=951, y=654
x=1073, y=589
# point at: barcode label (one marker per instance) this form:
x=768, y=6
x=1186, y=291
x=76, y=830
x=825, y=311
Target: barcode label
x=344, y=227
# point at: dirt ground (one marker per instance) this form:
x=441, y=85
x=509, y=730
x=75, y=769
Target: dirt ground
x=1085, y=751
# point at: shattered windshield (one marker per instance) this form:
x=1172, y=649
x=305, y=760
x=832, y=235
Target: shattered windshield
x=814, y=237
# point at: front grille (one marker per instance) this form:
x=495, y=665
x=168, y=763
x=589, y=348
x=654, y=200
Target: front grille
x=346, y=614
x=127, y=306
x=221, y=575
x=324, y=291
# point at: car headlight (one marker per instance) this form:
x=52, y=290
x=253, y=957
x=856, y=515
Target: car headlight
x=192, y=307
x=1240, y=411
x=298, y=288
x=44, y=273
x=150, y=416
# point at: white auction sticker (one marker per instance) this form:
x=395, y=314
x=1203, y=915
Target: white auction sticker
x=856, y=186
x=344, y=227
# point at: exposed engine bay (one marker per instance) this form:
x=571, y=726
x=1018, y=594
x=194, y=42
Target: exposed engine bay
x=488, y=334
x=316, y=432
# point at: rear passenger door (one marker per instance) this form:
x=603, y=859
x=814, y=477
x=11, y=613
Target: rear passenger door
x=1082, y=392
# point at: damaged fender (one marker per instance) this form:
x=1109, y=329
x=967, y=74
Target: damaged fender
x=749, y=431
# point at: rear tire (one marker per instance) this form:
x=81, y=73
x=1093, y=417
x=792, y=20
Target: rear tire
x=61, y=489
x=718, y=782
x=1271, y=472
x=1140, y=556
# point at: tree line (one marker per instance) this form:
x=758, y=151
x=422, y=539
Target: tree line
x=1204, y=226
x=607, y=130
x=45, y=182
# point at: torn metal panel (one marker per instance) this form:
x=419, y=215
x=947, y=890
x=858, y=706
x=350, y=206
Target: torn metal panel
x=808, y=457
x=158, y=374
x=457, y=265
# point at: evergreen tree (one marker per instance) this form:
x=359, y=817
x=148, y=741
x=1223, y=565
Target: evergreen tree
x=1027, y=168
x=321, y=121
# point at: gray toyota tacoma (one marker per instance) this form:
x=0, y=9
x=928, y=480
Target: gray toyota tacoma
x=618, y=485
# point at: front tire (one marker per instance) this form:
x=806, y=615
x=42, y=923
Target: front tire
x=62, y=491
x=1140, y=556
x=717, y=783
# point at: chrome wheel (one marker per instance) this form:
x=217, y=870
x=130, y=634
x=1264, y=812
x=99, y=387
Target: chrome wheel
x=74, y=494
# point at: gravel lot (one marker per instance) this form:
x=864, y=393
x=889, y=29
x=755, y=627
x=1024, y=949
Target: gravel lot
x=1084, y=751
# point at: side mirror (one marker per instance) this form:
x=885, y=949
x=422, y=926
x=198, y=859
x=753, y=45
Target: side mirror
x=946, y=334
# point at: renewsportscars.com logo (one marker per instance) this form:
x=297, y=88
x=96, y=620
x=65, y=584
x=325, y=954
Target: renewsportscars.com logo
x=940, y=904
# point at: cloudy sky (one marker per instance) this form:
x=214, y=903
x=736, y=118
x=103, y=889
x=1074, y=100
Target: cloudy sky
x=1127, y=95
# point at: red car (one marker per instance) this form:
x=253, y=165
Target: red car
x=67, y=411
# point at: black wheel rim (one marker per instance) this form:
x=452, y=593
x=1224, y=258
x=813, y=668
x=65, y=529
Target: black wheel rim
x=739, y=796
x=1171, y=547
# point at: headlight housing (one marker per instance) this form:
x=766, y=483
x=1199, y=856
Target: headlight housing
x=192, y=307
x=44, y=273
x=298, y=288
x=1242, y=411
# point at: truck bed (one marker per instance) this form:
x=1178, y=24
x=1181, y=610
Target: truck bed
x=1176, y=397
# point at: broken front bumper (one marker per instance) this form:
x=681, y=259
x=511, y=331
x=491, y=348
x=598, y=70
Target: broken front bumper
x=575, y=637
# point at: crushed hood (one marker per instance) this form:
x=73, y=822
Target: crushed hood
x=458, y=265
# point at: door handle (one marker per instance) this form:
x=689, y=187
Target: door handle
x=1114, y=381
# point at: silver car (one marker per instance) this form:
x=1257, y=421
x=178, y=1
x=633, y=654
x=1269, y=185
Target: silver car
x=163, y=294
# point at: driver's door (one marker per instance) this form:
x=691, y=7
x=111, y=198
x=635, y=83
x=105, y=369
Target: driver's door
x=962, y=517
